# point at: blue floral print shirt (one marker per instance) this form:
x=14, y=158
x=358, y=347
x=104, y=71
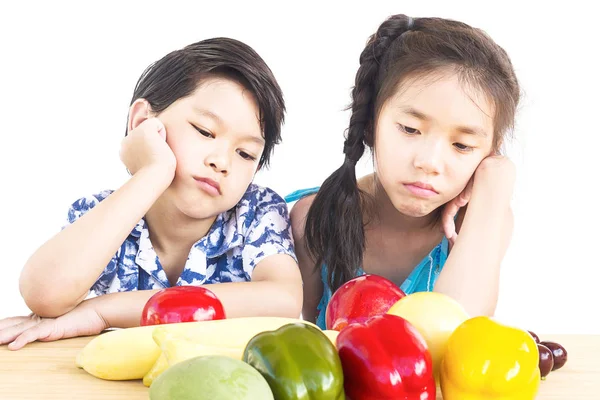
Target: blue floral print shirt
x=257, y=227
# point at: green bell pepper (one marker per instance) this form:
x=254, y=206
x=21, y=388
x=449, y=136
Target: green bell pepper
x=299, y=362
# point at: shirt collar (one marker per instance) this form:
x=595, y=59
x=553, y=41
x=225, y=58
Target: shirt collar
x=224, y=235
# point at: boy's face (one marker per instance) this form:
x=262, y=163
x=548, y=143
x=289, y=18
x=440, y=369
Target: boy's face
x=217, y=140
x=430, y=137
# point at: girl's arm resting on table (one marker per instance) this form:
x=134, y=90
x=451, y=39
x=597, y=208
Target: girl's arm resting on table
x=58, y=276
x=472, y=272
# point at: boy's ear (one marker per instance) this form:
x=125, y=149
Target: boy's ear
x=139, y=111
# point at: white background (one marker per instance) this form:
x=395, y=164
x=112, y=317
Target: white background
x=67, y=72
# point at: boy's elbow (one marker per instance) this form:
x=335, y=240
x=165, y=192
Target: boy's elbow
x=44, y=302
x=45, y=299
x=46, y=306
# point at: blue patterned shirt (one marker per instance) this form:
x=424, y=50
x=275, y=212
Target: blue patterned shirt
x=257, y=227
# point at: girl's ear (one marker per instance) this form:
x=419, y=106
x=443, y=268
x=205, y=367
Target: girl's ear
x=139, y=111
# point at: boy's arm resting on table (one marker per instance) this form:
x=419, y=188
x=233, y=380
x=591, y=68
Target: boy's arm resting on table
x=312, y=285
x=275, y=290
x=471, y=274
x=58, y=276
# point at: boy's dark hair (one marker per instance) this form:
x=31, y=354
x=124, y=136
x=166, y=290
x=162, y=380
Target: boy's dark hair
x=179, y=73
x=402, y=48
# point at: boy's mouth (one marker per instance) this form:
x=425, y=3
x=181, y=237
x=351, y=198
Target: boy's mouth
x=208, y=185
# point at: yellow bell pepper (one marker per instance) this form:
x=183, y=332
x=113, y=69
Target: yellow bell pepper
x=485, y=359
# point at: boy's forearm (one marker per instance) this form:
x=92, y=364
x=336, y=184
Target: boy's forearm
x=60, y=273
x=471, y=273
x=240, y=299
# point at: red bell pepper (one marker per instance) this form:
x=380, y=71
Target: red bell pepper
x=182, y=304
x=359, y=299
x=386, y=358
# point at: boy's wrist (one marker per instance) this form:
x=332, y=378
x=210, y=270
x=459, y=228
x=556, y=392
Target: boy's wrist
x=160, y=175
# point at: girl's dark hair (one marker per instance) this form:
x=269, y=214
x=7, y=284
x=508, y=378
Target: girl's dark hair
x=401, y=48
x=180, y=72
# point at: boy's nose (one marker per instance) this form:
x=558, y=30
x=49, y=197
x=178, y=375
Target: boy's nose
x=219, y=161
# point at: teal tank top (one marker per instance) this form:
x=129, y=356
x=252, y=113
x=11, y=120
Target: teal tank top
x=421, y=279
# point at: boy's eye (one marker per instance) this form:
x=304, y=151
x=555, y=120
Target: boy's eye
x=203, y=132
x=246, y=156
x=408, y=130
x=463, y=147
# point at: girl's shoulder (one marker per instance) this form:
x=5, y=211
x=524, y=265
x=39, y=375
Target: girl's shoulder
x=300, y=201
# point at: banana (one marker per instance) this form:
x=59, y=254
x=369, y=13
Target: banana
x=132, y=353
x=183, y=345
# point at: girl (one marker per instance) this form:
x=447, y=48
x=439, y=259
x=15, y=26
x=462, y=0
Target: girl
x=202, y=121
x=433, y=99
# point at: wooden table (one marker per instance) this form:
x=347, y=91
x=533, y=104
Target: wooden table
x=48, y=371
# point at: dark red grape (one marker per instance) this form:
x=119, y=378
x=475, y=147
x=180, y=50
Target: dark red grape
x=535, y=337
x=559, y=354
x=546, y=361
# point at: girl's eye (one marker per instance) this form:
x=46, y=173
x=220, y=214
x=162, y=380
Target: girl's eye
x=408, y=130
x=463, y=147
x=246, y=156
x=203, y=132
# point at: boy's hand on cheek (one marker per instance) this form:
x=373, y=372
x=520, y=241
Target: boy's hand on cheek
x=146, y=146
x=81, y=321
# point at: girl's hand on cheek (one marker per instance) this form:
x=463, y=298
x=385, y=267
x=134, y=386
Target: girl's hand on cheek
x=451, y=209
x=146, y=146
x=494, y=179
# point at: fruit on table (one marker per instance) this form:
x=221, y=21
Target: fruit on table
x=546, y=362
x=535, y=337
x=210, y=378
x=158, y=368
x=182, y=304
x=559, y=354
x=120, y=354
x=332, y=335
x=385, y=358
x=436, y=316
x=359, y=299
x=131, y=353
x=299, y=362
x=180, y=346
x=486, y=359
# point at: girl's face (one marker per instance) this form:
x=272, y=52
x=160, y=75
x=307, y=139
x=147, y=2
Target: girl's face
x=217, y=140
x=430, y=136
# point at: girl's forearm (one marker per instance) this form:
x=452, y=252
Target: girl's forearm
x=472, y=272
